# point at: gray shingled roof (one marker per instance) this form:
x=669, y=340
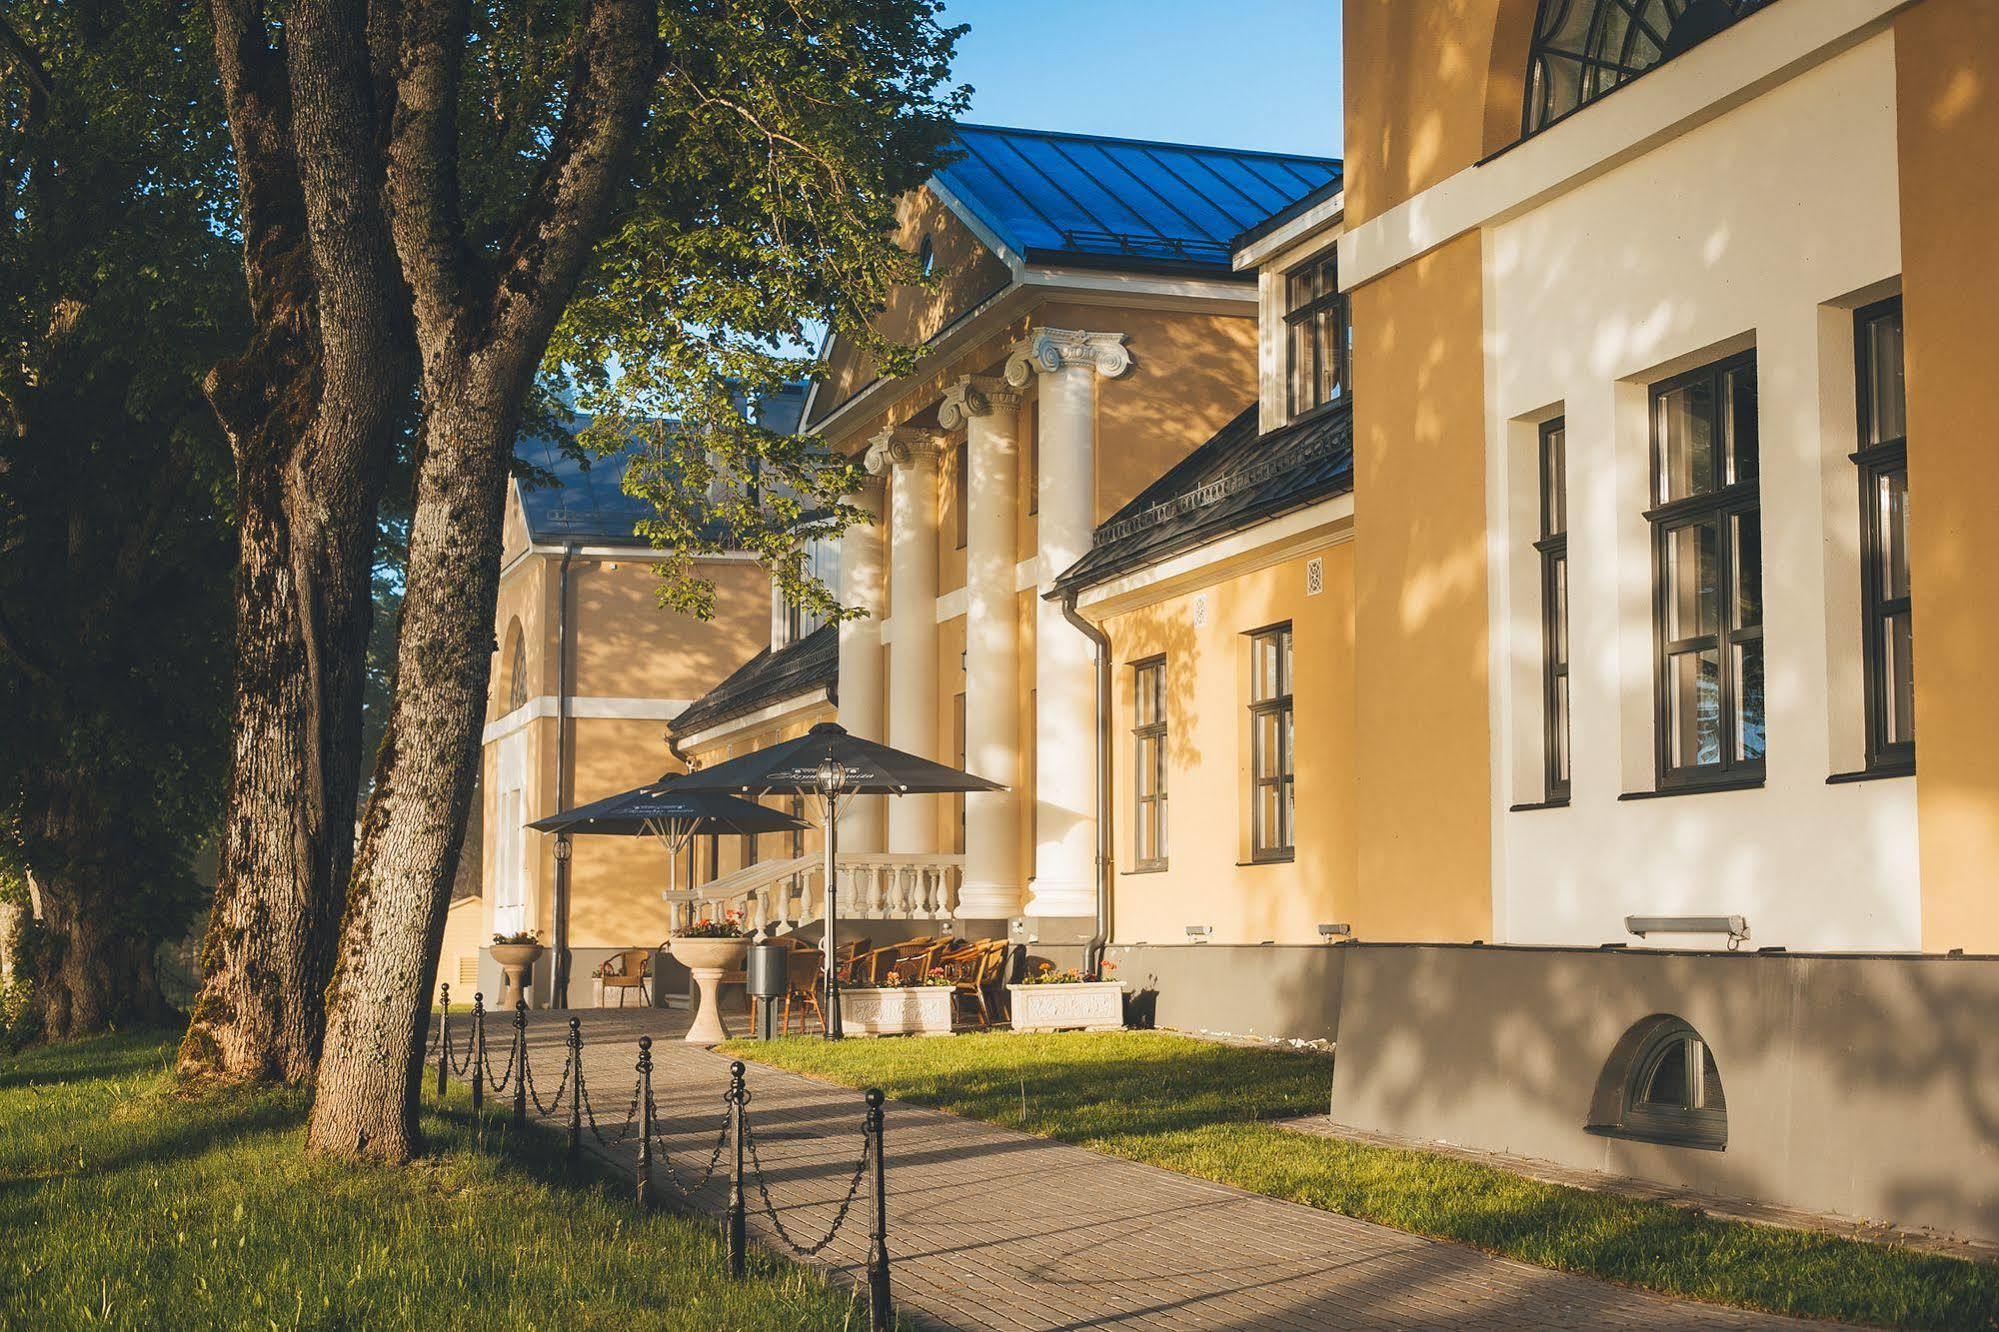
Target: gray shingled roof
x=588, y=504
x=811, y=664
x=1236, y=479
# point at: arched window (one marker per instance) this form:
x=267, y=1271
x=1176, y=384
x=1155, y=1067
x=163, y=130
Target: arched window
x=1584, y=48
x=517, y=670
x=926, y=255
x=1661, y=1085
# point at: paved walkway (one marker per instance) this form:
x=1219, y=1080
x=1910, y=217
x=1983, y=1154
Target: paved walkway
x=994, y=1229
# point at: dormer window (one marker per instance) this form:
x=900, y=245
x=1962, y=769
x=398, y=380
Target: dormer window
x=1315, y=335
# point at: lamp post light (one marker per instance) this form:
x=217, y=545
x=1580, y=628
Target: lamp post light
x=832, y=780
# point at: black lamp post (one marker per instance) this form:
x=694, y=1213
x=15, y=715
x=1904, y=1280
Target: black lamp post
x=832, y=780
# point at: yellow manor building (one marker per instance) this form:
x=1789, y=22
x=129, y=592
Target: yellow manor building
x=1460, y=603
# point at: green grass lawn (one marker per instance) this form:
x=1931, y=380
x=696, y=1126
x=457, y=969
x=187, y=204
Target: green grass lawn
x=124, y=1205
x=1204, y=1109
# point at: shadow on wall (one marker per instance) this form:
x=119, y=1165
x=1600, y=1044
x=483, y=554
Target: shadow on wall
x=1827, y=1060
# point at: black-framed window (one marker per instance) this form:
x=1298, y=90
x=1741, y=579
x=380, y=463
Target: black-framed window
x=1675, y=1095
x=1887, y=624
x=1272, y=745
x=1315, y=335
x=798, y=834
x=1553, y=546
x=1148, y=764
x=1707, y=541
x=1583, y=49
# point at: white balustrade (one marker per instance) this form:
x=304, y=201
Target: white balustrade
x=776, y=894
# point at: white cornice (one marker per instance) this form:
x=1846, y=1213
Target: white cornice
x=1296, y=231
x=1767, y=48
x=584, y=708
x=1328, y=522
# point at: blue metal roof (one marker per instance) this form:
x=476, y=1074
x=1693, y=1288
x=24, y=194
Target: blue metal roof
x=588, y=502
x=1083, y=198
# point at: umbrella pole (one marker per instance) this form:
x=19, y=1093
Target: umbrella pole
x=832, y=1028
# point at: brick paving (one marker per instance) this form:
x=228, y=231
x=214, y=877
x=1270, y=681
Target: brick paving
x=992, y=1229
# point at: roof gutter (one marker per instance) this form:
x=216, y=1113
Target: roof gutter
x=1094, y=957
x=560, y=986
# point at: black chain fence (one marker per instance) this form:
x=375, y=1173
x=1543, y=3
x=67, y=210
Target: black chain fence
x=470, y=1058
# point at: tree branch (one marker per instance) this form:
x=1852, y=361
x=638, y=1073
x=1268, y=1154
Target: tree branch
x=425, y=211
x=567, y=211
x=26, y=58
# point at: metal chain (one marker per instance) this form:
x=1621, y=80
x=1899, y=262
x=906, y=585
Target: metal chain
x=770, y=1208
x=499, y=1084
x=527, y=1071
x=459, y=1067
x=590, y=1113
x=714, y=1158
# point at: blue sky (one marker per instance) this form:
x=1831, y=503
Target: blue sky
x=1235, y=73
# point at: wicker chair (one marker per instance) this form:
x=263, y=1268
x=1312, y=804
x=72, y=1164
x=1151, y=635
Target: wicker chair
x=625, y=972
x=978, y=985
x=804, y=975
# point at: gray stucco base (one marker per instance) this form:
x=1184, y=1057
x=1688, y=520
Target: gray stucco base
x=1863, y=1086
x=1269, y=991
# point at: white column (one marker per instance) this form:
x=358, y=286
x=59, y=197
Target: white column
x=989, y=410
x=912, y=657
x=1069, y=363
x=864, y=826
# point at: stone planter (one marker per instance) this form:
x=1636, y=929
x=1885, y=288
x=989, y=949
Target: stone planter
x=1085, y=1006
x=709, y=960
x=909, y=1010
x=516, y=965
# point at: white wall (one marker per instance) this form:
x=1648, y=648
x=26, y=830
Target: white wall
x=1762, y=228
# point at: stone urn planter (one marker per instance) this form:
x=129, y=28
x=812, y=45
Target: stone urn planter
x=906, y=1010
x=516, y=965
x=709, y=960
x=1075, y=1006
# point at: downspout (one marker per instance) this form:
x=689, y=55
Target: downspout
x=1094, y=958
x=560, y=996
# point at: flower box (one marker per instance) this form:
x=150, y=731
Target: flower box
x=909, y=1010
x=1072, y=1006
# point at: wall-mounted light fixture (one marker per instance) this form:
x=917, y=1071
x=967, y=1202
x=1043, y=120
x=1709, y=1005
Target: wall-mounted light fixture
x=1735, y=927
x=1200, y=933
x=1335, y=932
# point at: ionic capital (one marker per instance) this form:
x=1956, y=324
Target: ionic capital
x=975, y=395
x=899, y=446
x=1050, y=349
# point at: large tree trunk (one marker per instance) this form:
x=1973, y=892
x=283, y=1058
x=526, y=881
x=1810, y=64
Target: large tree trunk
x=481, y=341
x=367, y=1097
x=92, y=972
x=302, y=617
x=312, y=409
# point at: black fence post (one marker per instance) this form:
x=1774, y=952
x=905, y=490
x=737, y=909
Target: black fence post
x=575, y=1089
x=520, y=1062
x=645, y=1124
x=738, y=1237
x=478, y=1053
x=443, y=1037
x=881, y=1311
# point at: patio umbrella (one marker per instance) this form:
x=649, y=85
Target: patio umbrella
x=668, y=810
x=834, y=766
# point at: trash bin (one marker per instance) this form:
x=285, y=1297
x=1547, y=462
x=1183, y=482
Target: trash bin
x=768, y=976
